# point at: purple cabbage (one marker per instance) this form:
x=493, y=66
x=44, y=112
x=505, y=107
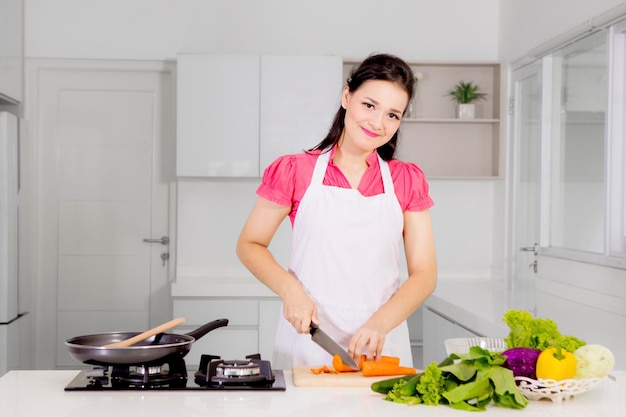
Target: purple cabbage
x=522, y=361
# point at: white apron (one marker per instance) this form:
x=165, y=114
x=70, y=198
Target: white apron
x=345, y=252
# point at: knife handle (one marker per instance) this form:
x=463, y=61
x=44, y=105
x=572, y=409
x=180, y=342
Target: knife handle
x=313, y=327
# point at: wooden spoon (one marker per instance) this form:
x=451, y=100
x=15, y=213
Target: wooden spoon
x=143, y=336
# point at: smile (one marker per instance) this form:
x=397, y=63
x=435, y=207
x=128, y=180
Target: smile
x=369, y=133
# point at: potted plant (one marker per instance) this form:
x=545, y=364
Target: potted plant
x=465, y=94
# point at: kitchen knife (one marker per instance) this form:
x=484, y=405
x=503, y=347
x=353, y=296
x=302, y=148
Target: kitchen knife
x=330, y=346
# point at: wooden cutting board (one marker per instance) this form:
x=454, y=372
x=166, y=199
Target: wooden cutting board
x=303, y=377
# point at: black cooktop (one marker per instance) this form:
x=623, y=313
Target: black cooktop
x=82, y=383
x=170, y=374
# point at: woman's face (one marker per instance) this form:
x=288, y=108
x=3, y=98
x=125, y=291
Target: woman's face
x=373, y=113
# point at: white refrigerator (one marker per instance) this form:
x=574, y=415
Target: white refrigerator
x=12, y=328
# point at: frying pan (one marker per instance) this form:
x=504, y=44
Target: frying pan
x=90, y=349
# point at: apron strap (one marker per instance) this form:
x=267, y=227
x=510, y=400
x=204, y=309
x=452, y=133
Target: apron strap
x=319, y=172
x=385, y=173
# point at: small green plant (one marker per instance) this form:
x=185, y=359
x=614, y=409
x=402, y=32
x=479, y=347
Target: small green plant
x=465, y=93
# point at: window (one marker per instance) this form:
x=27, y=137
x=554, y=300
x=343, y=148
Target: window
x=584, y=168
x=578, y=147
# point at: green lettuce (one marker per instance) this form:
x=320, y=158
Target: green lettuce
x=431, y=385
x=536, y=333
x=468, y=382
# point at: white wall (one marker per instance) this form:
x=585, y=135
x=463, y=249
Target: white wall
x=159, y=29
x=413, y=29
x=529, y=23
x=212, y=213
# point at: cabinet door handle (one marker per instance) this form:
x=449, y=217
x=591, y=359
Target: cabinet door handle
x=163, y=241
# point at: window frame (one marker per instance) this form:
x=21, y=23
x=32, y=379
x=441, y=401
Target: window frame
x=614, y=252
x=616, y=145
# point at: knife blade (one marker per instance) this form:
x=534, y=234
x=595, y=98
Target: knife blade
x=330, y=346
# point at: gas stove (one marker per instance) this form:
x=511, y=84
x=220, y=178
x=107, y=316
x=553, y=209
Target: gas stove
x=170, y=373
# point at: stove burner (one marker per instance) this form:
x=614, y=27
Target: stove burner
x=237, y=369
x=152, y=370
x=250, y=372
x=98, y=376
x=171, y=373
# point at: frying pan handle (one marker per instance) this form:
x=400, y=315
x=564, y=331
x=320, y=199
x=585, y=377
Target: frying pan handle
x=201, y=331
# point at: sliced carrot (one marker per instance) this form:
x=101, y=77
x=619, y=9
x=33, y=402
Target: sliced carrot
x=380, y=368
x=395, y=360
x=328, y=370
x=339, y=366
x=317, y=371
x=323, y=370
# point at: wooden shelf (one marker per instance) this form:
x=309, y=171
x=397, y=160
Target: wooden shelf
x=444, y=146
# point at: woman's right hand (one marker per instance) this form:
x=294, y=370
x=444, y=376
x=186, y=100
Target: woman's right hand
x=299, y=309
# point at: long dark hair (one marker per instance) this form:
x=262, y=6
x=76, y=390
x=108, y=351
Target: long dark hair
x=376, y=67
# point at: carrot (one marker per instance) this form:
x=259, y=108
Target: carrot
x=339, y=366
x=323, y=370
x=380, y=368
x=387, y=359
x=327, y=370
x=317, y=371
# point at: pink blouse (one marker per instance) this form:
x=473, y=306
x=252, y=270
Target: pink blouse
x=287, y=178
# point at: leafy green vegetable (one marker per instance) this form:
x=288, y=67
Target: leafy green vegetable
x=396, y=396
x=410, y=388
x=536, y=333
x=463, y=381
x=425, y=387
x=430, y=386
x=570, y=343
x=472, y=396
x=520, y=325
x=383, y=387
x=506, y=395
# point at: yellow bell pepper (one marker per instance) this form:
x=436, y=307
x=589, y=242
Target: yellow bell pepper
x=556, y=363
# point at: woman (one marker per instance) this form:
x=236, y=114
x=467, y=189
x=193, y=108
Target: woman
x=351, y=206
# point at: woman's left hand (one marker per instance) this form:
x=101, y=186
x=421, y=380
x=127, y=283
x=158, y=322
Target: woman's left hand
x=368, y=341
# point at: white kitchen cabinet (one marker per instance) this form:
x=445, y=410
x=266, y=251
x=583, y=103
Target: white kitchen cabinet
x=217, y=115
x=414, y=322
x=11, y=50
x=436, y=329
x=299, y=98
x=16, y=343
x=443, y=145
x=269, y=313
x=236, y=114
x=251, y=326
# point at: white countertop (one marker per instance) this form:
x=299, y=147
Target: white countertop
x=477, y=304
x=41, y=393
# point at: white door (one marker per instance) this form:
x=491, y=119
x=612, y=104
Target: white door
x=105, y=170
x=526, y=180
